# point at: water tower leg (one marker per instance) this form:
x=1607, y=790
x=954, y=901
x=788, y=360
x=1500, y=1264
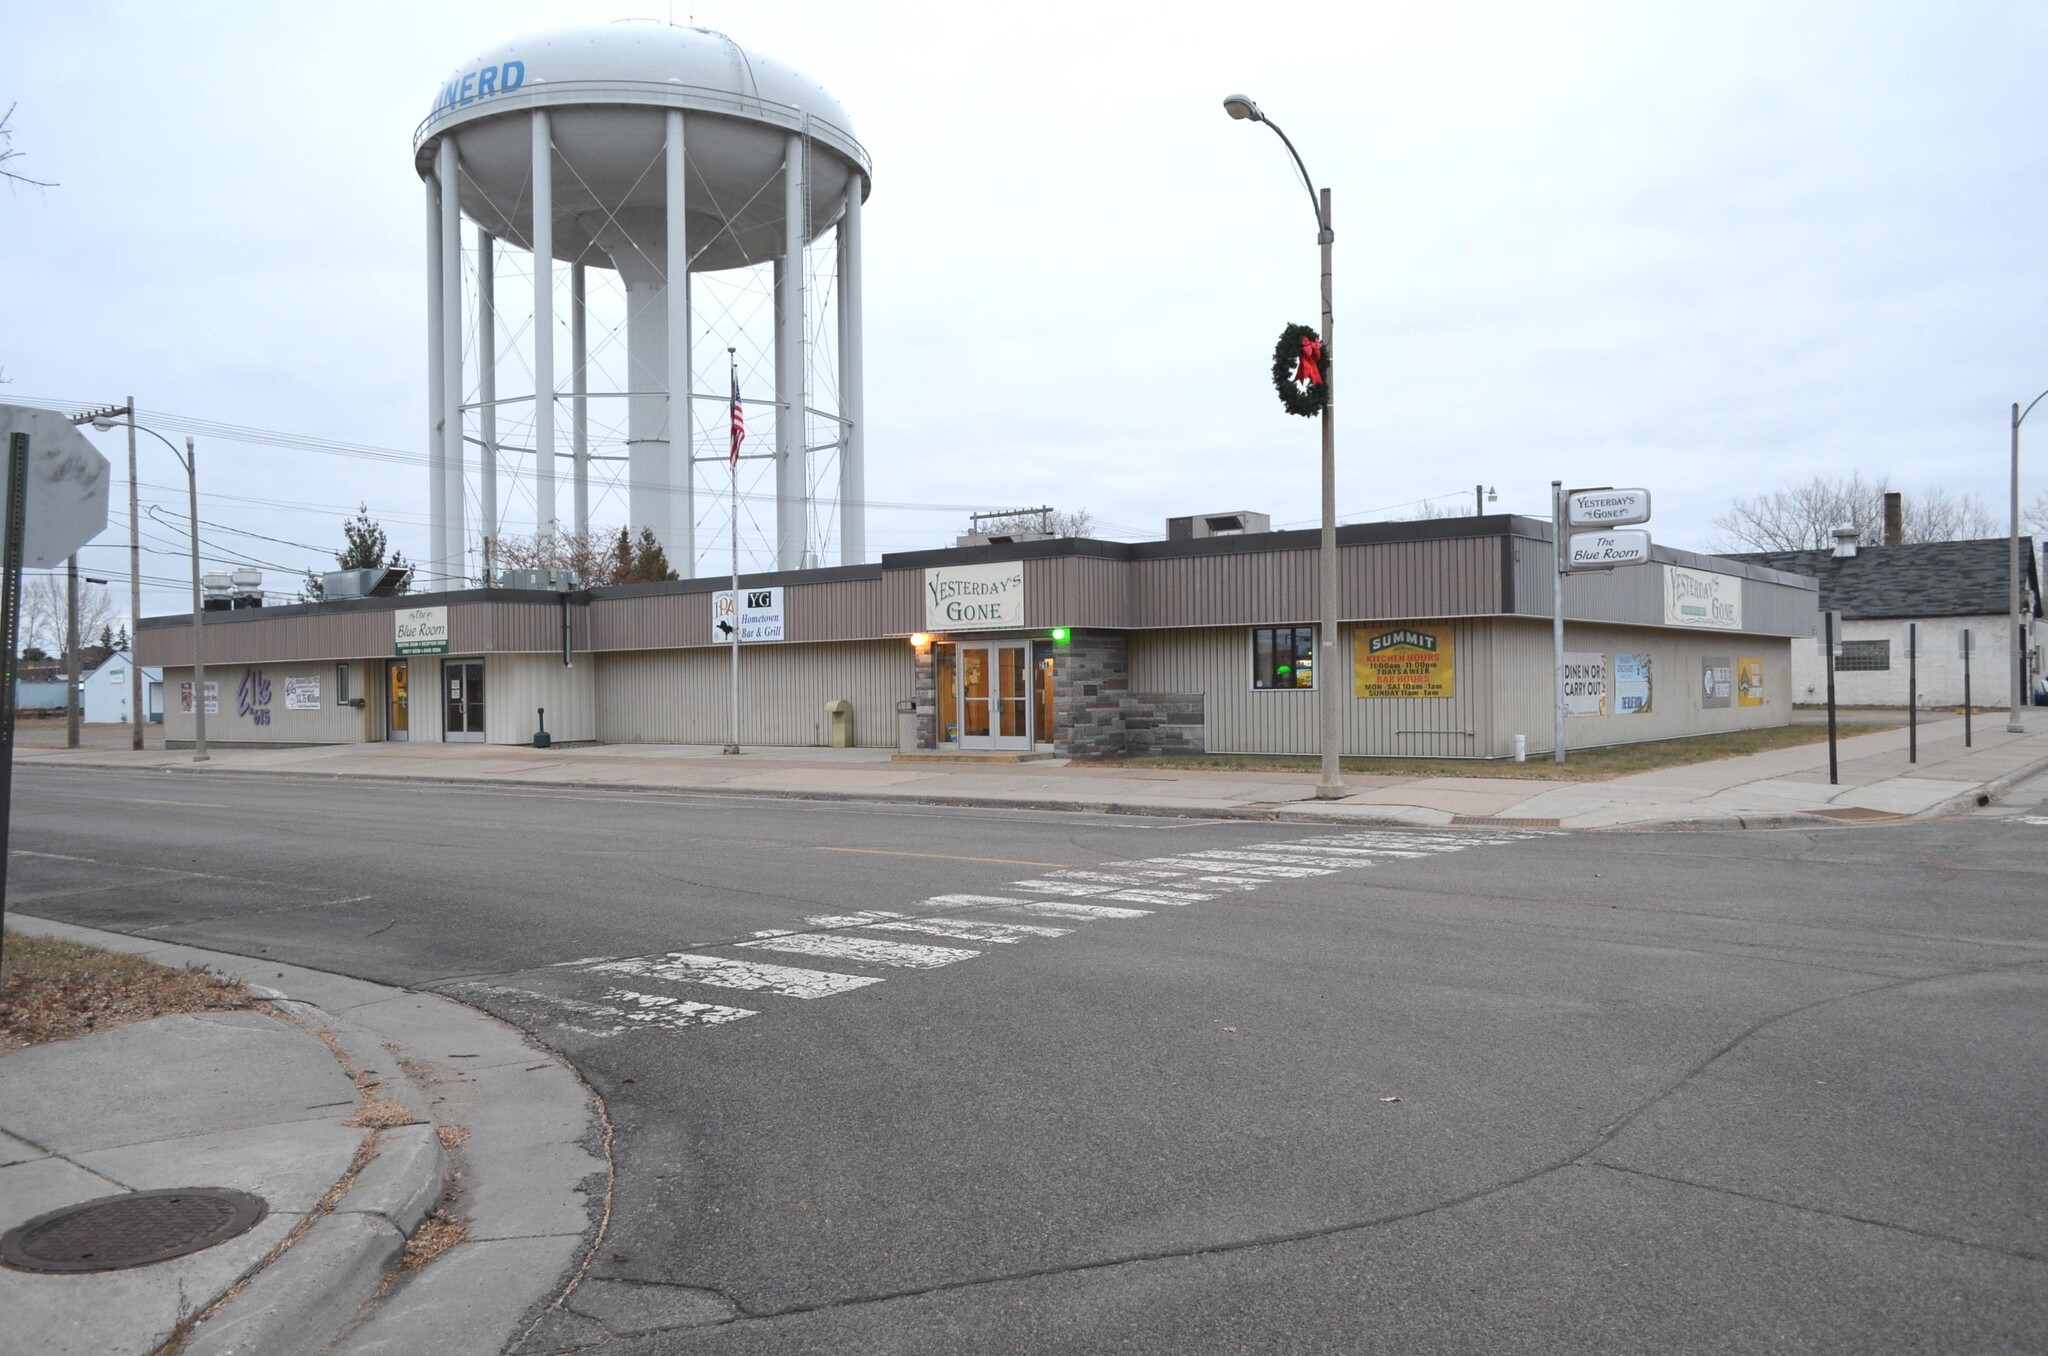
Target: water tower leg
x=487, y=399
x=454, y=455
x=679, y=515
x=853, y=494
x=437, y=448
x=579, y=405
x=543, y=325
x=791, y=463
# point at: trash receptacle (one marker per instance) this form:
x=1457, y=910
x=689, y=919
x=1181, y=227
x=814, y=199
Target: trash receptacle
x=840, y=712
x=906, y=727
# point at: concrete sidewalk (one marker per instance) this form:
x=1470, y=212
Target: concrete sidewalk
x=349, y=1115
x=1778, y=787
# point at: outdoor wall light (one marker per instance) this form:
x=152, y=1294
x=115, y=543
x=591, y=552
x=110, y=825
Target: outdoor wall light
x=920, y=640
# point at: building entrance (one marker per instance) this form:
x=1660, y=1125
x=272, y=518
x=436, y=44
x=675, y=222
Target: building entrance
x=464, y=681
x=397, y=701
x=985, y=695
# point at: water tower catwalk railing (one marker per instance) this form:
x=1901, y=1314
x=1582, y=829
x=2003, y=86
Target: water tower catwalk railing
x=663, y=450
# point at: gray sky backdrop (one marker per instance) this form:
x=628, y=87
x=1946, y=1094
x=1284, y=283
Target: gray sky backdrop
x=1707, y=249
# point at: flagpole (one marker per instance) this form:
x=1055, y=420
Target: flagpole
x=732, y=462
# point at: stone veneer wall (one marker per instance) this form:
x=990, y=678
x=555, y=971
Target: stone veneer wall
x=1096, y=715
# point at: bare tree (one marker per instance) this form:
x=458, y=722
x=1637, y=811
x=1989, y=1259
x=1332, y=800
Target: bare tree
x=600, y=559
x=1052, y=521
x=1804, y=517
x=1429, y=509
x=7, y=153
x=43, y=610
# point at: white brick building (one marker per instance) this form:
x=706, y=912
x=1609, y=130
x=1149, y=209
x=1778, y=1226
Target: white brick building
x=1943, y=587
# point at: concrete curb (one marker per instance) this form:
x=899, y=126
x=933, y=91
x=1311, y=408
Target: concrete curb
x=1284, y=812
x=314, y=1291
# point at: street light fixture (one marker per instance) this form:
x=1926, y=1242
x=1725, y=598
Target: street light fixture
x=2019, y=656
x=105, y=423
x=1330, y=786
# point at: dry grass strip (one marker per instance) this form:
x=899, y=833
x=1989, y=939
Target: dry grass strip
x=52, y=990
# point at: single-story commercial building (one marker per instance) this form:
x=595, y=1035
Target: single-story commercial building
x=1941, y=587
x=1070, y=646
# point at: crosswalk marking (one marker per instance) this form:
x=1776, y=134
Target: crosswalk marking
x=964, y=929
x=1069, y=895
x=659, y=1009
x=625, y=1010
x=720, y=972
x=1056, y=908
x=863, y=950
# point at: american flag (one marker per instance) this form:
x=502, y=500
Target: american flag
x=739, y=420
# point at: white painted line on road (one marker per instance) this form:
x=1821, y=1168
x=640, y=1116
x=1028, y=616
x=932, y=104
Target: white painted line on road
x=673, y=1014
x=963, y=929
x=863, y=950
x=683, y=967
x=1154, y=895
x=936, y=856
x=1048, y=908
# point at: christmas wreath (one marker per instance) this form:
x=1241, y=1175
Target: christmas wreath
x=1301, y=368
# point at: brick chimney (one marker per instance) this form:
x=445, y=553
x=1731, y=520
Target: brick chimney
x=1894, y=518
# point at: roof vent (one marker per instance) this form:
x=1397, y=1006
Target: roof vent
x=1845, y=542
x=1238, y=523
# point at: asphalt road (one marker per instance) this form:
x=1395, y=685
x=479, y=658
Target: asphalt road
x=1273, y=1090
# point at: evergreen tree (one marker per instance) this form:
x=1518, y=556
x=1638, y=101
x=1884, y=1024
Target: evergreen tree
x=367, y=549
x=650, y=562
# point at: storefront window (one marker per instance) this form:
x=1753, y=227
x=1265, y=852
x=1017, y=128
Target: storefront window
x=1283, y=657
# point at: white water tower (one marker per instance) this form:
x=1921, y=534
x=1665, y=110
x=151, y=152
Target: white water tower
x=657, y=152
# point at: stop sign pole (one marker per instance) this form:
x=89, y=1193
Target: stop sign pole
x=56, y=502
x=10, y=635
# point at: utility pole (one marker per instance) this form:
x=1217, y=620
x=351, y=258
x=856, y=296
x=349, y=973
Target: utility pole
x=135, y=711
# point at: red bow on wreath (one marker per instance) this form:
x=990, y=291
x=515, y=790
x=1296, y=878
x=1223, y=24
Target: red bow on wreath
x=1308, y=369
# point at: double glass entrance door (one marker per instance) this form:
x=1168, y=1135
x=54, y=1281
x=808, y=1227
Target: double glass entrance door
x=463, y=681
x=993, y=700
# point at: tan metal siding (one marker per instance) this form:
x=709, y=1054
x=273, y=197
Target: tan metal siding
x=1076, y=591
x=836, y=609
x=682, y=696
x=516, y=686
x=1527, y=700
x=1451, y=577
x=331, y=724
x=1216, y=662
x=473, y=628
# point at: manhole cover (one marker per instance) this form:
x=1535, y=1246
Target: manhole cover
x=130, y=1230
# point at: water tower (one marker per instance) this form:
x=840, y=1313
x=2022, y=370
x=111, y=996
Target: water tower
x=659, y=153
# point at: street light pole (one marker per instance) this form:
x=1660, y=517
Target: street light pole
x=199, y=754
x=103, y=421
x=1330, y=784
x=2019, y=655
x=134, y=589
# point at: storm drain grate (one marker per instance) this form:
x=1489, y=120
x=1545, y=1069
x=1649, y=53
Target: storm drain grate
x=131, y=1230
x=1857, y=814
x=1496, y=822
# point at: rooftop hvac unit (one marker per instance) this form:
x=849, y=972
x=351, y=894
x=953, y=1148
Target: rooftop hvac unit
x=1240, y=523
x=1000, y=538
x=543, y=581
x=382, y=583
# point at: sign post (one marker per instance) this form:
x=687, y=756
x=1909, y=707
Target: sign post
x=1607, y=514
x=1912, y=692
x=56, y=502
x=1833, y=629
x=1963, y=645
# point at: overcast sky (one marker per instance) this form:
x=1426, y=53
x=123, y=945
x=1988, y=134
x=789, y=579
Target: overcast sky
x=1707, y=249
